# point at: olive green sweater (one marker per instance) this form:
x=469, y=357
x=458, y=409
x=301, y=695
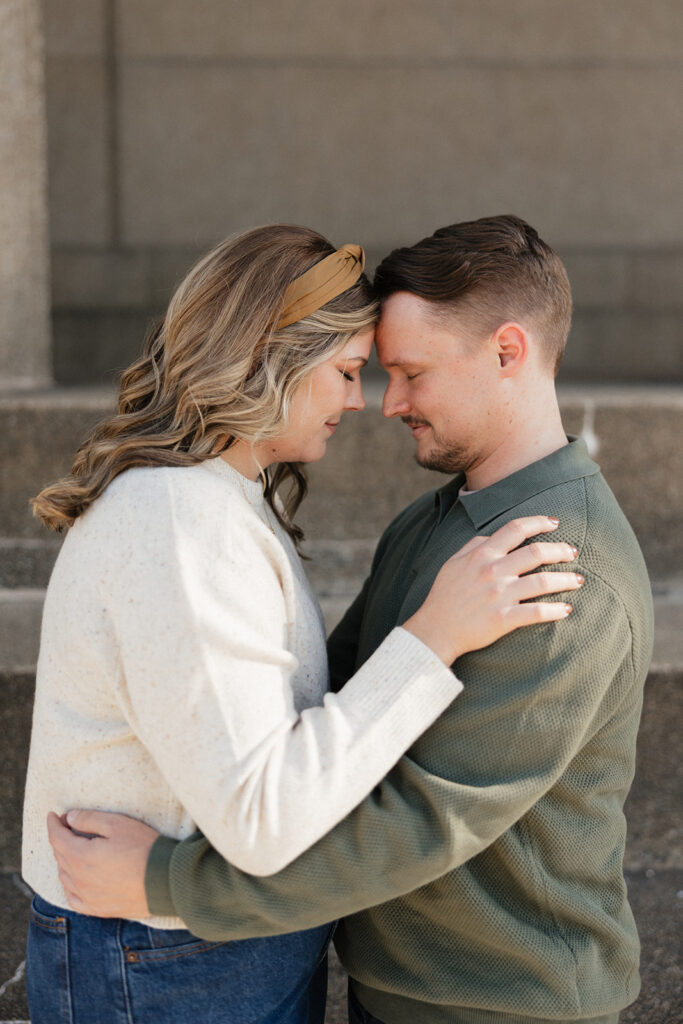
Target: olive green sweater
x=483, y=876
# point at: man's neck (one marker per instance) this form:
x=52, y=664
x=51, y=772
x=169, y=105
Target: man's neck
x=536, y=433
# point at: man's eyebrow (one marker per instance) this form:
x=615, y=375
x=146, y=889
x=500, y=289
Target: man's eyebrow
x=399, y=362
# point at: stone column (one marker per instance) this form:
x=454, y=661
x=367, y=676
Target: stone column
x=25, y=360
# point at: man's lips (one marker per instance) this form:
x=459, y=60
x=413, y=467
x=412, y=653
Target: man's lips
x=417, y=427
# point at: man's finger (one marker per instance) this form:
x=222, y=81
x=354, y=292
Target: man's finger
x=57, y=830
x=89, y=824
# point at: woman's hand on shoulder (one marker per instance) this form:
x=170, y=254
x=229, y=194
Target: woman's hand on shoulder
x=484, y=591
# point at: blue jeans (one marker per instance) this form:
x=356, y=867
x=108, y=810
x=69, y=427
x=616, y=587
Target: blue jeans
x=90, y=970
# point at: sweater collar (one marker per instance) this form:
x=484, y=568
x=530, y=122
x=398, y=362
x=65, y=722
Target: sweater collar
x=251, y=490
x=572, y=462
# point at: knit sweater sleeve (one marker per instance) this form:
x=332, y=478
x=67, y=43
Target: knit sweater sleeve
x=506, y=743
x=201, y=626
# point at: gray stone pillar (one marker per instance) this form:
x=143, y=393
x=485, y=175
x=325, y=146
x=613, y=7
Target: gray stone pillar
x=24, y=292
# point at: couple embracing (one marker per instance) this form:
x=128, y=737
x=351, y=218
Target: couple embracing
x=440, y=785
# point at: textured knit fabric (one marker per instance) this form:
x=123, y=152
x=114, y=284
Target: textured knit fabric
x=181, y=674
x=490, y=858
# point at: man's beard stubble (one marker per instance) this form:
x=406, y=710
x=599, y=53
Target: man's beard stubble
x=444, y=456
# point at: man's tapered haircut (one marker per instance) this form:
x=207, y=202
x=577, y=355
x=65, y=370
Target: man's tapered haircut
x=484, y=273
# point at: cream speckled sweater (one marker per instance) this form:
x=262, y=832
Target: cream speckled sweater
x=182, y=679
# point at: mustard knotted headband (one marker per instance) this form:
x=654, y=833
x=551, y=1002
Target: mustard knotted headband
x=322, y=282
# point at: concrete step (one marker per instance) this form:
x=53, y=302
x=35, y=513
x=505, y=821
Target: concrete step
x=367, y=477
x=16, y=707
x=21, y=611
x=369, y=473
x=336, y=583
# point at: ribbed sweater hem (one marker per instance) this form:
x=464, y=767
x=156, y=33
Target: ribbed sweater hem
x=158, y=877
x=391, y=1008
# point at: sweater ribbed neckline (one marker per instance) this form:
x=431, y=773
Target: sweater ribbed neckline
x=252, y=490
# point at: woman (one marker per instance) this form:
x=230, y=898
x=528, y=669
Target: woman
x=182, y=672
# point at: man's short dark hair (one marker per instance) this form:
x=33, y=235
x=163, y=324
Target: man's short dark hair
x=485, y=272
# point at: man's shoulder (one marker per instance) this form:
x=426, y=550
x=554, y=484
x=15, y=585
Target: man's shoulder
x=584, y=505
x=609, y=553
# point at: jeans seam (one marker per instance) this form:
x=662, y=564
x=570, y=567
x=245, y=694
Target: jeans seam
x=122, y=971
x=58, y=924
x=147, y=956
x=56, y=927
x=65, y=970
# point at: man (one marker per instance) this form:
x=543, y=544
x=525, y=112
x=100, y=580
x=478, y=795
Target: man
x=484, y=875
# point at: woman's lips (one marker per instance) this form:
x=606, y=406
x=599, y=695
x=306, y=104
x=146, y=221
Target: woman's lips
x=332, y=426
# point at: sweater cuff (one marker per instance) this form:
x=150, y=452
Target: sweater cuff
x=158, y=878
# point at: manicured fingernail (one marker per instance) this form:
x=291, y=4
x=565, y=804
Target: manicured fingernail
x=567, y=609
x=575, y=551
x=579, y=579
x=554, y=521
x=71, y=817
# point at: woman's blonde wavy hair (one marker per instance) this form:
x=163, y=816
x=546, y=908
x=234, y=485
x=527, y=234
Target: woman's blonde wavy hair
x=216, y=369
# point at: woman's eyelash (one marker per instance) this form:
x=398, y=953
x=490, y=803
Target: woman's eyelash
x=348, y=376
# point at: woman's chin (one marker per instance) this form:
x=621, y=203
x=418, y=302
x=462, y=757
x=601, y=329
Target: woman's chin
x=314, y=452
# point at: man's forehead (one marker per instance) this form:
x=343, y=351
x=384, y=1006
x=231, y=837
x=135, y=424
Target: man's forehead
x=408, y=331
x=387, y=357
x=406, y=306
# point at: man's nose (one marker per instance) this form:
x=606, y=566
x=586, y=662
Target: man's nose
x=394, y=402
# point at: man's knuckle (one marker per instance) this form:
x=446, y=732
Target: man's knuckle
x=487, y=571
x=500, y=617
x=479, y=555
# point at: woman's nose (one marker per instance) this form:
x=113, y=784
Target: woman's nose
x=355, y=400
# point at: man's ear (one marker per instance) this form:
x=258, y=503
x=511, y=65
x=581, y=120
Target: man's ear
x=511, y=344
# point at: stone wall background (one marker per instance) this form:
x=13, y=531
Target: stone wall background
x=174, y=123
